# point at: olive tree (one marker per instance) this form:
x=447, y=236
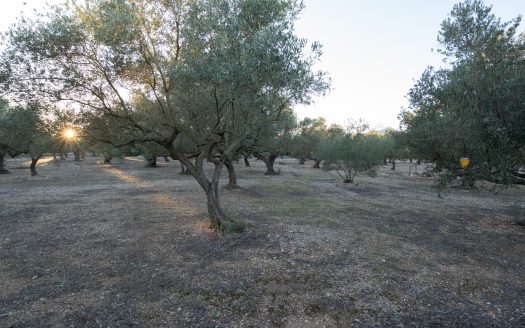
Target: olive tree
x=274, y=140
x=23, y=130
x=211, y=72
x=351, y=154
x=476, y=107
x=306, y=141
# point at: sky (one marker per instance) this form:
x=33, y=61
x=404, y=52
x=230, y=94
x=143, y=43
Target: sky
x=373, y=50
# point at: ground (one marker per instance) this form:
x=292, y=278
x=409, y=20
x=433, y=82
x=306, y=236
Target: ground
x=91, y=245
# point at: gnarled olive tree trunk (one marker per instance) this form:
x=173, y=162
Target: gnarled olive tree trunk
x=184, y=170
x=246, y=161
x=151, y=161
x=232, y=178
x=317, y=164
x=210, y=186
x=32, y=166
x=269, y=160
x=3, y=170
x=107, y=159
x=77, y=155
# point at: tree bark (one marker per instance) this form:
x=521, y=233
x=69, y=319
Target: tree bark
x=393, y=165
x=107, y=159
x=151, y=161
x=166, y=159
x=317, y=164
x=184, y=169
x=232, y=178
x=215, y=212
x=302, y=160
x=269, y=164
x=384, y=161
x=3, y=170
x=32, y=167
x=62, y=157
x=246, y=161
x=211, y=188
x=77, y=155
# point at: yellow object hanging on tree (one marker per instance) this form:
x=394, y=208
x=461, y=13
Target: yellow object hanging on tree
x=465, y=161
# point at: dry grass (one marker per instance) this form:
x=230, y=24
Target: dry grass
x=90, y=245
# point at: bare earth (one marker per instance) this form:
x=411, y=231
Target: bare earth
x=90, y=245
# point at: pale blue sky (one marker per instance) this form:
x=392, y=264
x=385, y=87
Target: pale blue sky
x=373, y=50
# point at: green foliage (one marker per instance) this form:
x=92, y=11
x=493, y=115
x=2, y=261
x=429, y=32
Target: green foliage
x=475, y=108
x=22, y=130
x=394, y=144
x=217, y=74
x=351, y=154
x=305, y=144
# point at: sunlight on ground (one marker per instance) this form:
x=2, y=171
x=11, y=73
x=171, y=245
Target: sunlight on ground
x=182, y=207
x=41, y=162
x=134, y=159
x=128, y=178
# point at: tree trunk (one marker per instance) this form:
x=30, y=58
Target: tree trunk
x=182, y=169
x=215, y=212
x=151, y=161
x=62, y=157
x=317, y=164
x=166, y=159
x=93, y=154
x=54, y=156
x=418, y=162
x=211, y=188
x=302, y=160
x=107, y=159
x=246, y=161
x=232, y=178
x=269, y=164
x=393, y=165
x=3, y=170
x=384, y=161
x=77, y=155
x=32, y=167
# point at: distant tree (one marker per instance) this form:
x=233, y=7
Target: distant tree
x=351, y=154
x=305, y=143
x=274, y=140
x=394, y=146
x=23, y=131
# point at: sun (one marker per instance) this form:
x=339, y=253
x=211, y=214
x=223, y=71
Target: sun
x=70, y=134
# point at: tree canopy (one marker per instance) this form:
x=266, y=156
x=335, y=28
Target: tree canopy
x=475, y=108
x=211, y=72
